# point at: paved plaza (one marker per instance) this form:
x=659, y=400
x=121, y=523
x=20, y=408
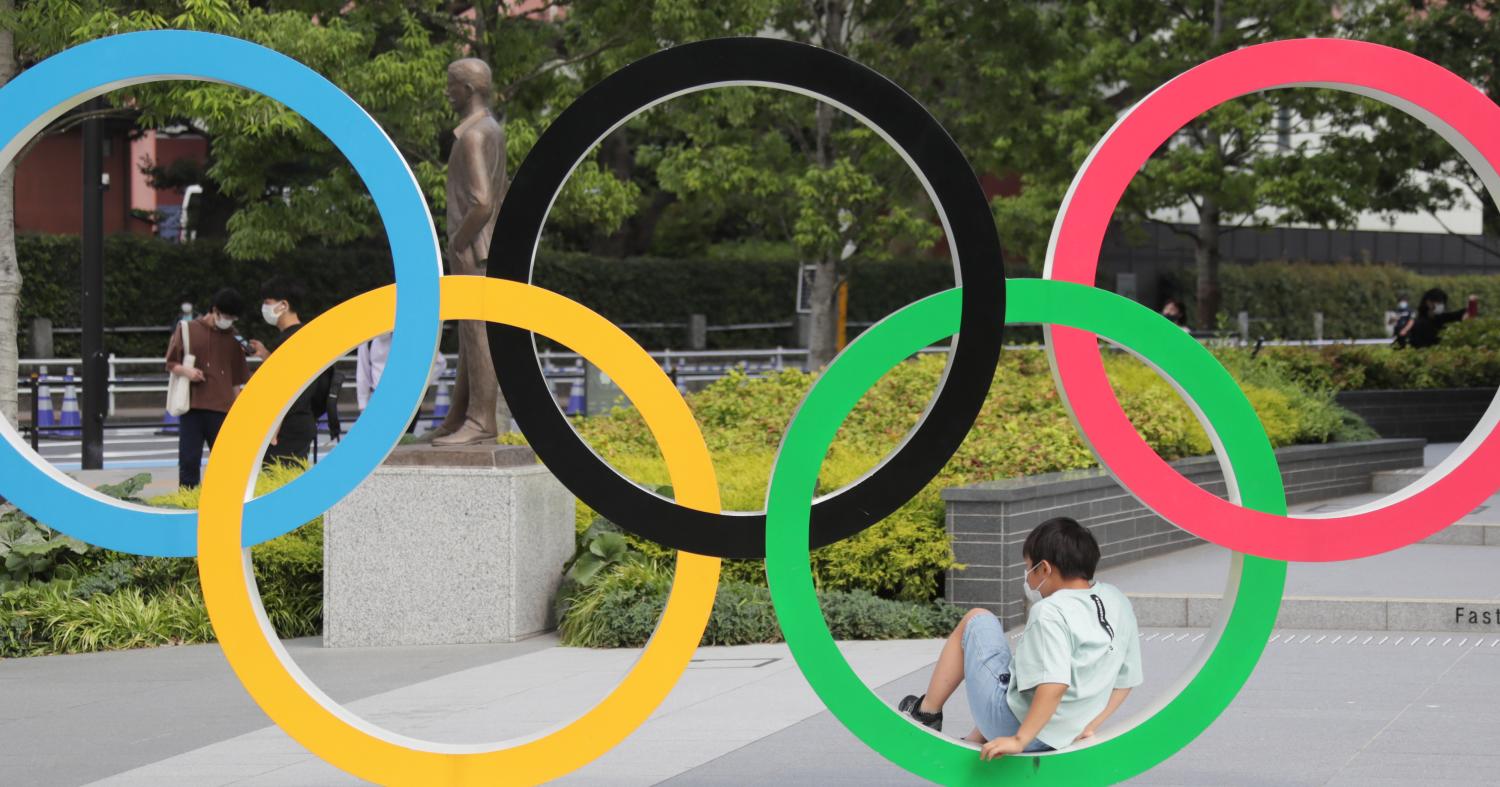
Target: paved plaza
x=1322, y=708
x=1328, y=705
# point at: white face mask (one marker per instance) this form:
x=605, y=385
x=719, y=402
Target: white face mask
x=1439, y=308
x=187, y=308
x=269, y=313
x=1402, y=305
x=1033, y=594
x=224, y=323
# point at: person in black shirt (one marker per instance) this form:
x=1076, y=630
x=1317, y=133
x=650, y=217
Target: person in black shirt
x=1175, y=311
x=1432, y=315
x=299, y=427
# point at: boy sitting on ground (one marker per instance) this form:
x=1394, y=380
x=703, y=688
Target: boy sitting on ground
x=1076, y=661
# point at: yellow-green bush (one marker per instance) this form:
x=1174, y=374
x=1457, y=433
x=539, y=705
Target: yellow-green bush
x=1023, y=429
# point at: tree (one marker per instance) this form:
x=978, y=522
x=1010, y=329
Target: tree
x=1228, y=165
x=10, y=270
x=778, y=166
x=288, y=183
x=1420, y=171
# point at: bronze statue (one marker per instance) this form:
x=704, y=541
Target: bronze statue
x=476, y=185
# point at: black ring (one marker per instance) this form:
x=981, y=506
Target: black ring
x=890, y=111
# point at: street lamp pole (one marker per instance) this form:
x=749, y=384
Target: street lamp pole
x=95, y=367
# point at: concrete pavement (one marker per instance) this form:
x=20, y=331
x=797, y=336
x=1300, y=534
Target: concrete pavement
x=1326, y=706
x=1449, y=582
x=1322, y=708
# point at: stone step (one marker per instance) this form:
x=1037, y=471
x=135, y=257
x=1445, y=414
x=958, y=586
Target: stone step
x=1394, y=480
x=1464, y=533
x=1193, y=610
x=1475, y=534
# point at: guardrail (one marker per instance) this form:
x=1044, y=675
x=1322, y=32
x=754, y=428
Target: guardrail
x=566, y=366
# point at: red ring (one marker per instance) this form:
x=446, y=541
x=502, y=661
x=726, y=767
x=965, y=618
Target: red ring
x=1434, y=95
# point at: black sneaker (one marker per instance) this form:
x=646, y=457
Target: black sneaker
x=912, y=706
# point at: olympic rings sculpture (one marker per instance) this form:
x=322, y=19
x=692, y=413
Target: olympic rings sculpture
x=1253, y=522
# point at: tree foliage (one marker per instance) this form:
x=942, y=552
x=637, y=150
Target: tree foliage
x=1027, y=88
x=288, y=183
x=1415, y=169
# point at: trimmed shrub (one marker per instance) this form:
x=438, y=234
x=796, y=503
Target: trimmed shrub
x=145, y=280
x=1022, y=430
x=624, y=606
x=1353, y=297
x=1363, y=367
x=1478, y=333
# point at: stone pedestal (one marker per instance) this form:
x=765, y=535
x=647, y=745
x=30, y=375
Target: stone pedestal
x=444, y=546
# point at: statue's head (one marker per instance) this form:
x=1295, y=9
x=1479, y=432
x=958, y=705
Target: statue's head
x=469, y=84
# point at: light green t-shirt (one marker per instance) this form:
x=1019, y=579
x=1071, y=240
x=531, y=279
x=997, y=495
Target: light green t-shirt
x=1092, y=647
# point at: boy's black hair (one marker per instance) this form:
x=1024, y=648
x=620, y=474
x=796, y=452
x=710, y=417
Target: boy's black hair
x=229, y=302
x=283, y=288
x=1067, y=545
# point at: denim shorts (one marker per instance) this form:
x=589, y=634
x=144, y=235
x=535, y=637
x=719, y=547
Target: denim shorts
x=986, y=678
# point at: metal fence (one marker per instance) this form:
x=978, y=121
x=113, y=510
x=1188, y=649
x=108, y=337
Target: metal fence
x=147, y=375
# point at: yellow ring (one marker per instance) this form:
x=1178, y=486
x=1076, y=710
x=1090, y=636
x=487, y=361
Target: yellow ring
x=311, y=717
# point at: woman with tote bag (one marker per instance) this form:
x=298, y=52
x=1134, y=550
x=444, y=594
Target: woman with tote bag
x=206, y=357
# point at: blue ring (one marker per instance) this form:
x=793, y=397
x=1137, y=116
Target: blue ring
x=46, y=90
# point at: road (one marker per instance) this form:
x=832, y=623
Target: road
x=127, y=448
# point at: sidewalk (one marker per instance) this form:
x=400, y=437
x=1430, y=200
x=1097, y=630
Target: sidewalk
x=1326, y=706
x=1322, y=708
x=1428, y=586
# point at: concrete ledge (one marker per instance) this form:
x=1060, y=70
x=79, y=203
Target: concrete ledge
x=1193, y=610
x=1474, y=534
x=460, y=456
x=1440, y=415
x=988, y=522
x=1395, y=480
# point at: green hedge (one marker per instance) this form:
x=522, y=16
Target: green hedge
x=1022, y=430
x=1353, y=297
x=146, y=279
x=621, y=610
x=1359, y=367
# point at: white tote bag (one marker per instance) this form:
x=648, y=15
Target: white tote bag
x=179, y=388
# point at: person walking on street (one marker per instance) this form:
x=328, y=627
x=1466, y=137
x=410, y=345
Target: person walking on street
x=220, y=369
x=280, y=299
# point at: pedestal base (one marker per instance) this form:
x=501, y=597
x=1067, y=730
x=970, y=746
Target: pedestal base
x=427, y=554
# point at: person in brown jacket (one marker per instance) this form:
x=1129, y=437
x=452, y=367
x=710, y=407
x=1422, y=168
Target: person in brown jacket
x=219, y=370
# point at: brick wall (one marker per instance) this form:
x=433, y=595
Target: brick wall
x=988, y=522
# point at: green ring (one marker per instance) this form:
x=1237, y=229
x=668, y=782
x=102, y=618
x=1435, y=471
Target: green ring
x=1255, y=599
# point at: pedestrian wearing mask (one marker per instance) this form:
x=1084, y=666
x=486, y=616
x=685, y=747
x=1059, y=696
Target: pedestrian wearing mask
x=218, y=372
x=1175, y=311
x=1425, y=330
x=280, y=299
